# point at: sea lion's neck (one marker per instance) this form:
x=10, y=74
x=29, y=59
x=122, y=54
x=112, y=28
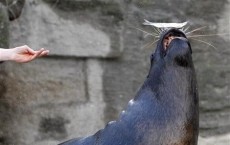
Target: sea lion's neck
x=153, y=80
x=165, y=79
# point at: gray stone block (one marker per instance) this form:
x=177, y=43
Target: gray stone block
x=4, y=29
x=215, y=140
x=45, y=81
x=64, y=35
x=50, y=100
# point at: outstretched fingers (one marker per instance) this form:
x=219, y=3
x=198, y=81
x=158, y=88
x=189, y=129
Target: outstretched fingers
x=31, y=51
x=38, y=53
x=44, y=53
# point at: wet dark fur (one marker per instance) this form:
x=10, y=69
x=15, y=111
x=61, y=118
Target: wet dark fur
x=165, y=109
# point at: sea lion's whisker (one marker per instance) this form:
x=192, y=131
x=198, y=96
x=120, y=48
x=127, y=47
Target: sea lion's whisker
x=152, y=34
x=205, y=43
x=208, y=35
x=149, y=44
x=185, y=29
x=162, y=29
x=146, y=35
x=182, y=29
x=157, y=31
x=197, y=29
x=147, y=32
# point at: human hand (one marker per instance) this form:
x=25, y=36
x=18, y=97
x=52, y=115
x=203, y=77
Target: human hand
x=23, y=54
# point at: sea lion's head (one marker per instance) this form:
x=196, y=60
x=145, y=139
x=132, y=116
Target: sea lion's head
x=174, y=47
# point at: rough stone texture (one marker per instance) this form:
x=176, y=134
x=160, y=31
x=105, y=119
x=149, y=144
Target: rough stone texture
x=97, y=63
x=215, y=140
x=55, y=107
x=13, y=8
x=48, y=26
x=4, y=42
x=36, y=85
x=4, y=23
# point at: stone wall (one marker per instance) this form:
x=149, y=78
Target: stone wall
x=4, y=23
x=4, y=42
x=98, y=61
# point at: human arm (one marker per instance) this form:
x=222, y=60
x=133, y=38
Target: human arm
x=21, y=54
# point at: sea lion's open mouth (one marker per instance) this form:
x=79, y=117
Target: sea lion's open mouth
x=170, y=36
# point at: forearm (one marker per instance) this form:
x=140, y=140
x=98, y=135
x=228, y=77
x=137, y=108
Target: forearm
x=6, y=54
x=21, y=54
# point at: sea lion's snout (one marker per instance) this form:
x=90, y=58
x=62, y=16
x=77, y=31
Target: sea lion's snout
x=171, y=35
x=174, y=42
x=180, y=43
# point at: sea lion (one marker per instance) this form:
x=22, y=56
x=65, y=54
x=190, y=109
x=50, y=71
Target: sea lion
x=165, y=109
